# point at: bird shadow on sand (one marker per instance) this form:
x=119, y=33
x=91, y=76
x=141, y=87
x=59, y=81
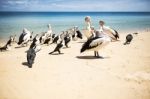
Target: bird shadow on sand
x=25, y=64
x=66, y=47
x=91, y=57
x=20, y=47
x=56, y=54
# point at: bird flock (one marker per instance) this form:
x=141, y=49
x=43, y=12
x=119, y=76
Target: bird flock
x=46, y=38
x=96, y=39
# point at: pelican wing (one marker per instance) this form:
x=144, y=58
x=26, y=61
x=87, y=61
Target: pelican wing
x=92, y=43
x=21, y=38
x=79, y=34
x=113, y=34
x=96, y=42
x=116, y=34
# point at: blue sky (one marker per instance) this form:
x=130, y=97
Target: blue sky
x=75, y=5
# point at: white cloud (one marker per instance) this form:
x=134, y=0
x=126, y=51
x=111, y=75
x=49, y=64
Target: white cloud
x=78, y=5
x=14, y=2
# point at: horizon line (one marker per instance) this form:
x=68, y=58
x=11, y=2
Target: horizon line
x=80, y=11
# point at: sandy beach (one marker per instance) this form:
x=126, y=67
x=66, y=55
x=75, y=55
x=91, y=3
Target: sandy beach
x=124, y=73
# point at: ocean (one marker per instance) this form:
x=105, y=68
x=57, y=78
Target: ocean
x=13, y=22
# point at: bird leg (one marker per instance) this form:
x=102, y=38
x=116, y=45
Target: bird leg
x=98, y=55
x=67, y=46
x=59, y=52
x=95, y=53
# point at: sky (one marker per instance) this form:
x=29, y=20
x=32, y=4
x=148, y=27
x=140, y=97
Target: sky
x=75, y=5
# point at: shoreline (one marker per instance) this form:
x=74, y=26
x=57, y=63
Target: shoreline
x=3, y=40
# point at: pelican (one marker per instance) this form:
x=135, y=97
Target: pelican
x=109, y=31
x=43, y=38
x=87, y=30
x=24, y=37
x=49, y=32
x=77, y=34
x=96, y=43
x=87, y=33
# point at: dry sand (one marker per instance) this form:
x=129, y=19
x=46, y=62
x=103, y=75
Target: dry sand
x=124, y=73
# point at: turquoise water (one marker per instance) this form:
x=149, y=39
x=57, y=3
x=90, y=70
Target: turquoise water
x=14, y=22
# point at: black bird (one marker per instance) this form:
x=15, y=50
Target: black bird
x=31, y=54
x=58, y=47
x=79, y=34
x=4, y=48
x=76, y=34
x=47, y=41
x=129, y=38
x=55, y=39
x=51, y=38
x=67, y=40
x=21, y=38
x=116, y=35
x=53, y=35
x=136, y=33
x=14, y=39
x=7, y=45
x=31, y=36
x=43, y=38
x=33, y=44
x=9, y=42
